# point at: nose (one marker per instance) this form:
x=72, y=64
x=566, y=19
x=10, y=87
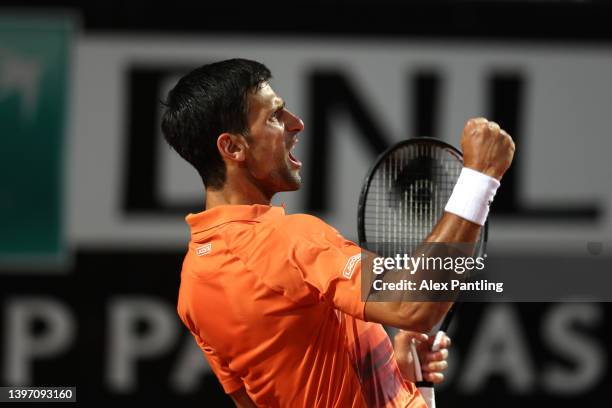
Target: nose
x=294, y=123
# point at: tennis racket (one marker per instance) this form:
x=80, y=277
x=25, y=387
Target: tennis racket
x=402, y=199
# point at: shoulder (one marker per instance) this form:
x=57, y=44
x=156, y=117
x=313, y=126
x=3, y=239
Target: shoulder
x=305, y=224
x=303, y=230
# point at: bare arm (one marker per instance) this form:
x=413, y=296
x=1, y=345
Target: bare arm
x=242, y=399
x=422, y=316
x=489, y=150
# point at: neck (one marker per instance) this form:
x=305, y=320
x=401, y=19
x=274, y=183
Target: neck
x=236, y=191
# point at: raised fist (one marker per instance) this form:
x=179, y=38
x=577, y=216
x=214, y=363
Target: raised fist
x=486, y=147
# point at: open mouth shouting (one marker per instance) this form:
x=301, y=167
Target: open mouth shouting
x=294, y=161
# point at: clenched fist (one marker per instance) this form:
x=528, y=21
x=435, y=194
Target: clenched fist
x=486, y=147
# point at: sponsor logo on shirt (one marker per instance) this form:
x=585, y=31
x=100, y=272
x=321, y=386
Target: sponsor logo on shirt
x=349, y=269
x=204, y=249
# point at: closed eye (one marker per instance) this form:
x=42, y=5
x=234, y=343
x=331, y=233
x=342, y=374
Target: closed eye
x=278, y=112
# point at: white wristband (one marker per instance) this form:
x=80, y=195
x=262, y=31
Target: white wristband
x=472, y=196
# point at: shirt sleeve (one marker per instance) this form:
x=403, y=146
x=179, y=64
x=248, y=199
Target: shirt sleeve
x=330, y=264
x=229, y=380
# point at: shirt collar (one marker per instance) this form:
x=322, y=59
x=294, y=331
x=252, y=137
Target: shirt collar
x=223, y=214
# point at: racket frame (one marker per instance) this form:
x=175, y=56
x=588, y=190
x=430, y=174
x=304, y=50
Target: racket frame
x=379, y=160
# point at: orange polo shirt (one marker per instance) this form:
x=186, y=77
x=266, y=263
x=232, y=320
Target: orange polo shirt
x=269, y=299
x=371, y=351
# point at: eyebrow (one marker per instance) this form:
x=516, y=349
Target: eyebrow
x=279, y=107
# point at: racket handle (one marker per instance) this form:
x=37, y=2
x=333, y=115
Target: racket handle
x=429, y=394
x=438, y=340
x=418, y=374
x=425, y=387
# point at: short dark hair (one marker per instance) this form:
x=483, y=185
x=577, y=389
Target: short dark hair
x=206, y=102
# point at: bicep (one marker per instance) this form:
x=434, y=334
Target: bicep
x=413, y=316
x=419, y=315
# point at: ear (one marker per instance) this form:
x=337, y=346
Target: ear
x=232, y=147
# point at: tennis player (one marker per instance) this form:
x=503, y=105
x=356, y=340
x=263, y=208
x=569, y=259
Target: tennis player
x=274, y=300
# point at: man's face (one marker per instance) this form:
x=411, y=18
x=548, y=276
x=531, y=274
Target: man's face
x=272, y=135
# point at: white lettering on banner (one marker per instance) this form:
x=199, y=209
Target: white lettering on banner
x=23, y=346
x=587, y=357
x=99, y=132
x=498, y=349
x=126, y=346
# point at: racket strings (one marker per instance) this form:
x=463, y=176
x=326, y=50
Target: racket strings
x=407, y=195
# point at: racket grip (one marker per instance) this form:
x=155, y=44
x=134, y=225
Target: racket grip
x=438, y=340
x=428, y=394
x=418, y=374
